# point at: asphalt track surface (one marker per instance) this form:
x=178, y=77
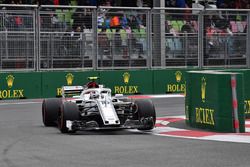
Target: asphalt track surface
x=25, y=142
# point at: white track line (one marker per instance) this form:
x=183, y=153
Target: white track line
x=167, y=96
x=224, y=137
x=18, y=103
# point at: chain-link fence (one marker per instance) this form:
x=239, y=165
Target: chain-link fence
x=225, y=38
x=66, y=36
x=122, y=37
x=17, y=38
x=178, y=33
x=74, y=37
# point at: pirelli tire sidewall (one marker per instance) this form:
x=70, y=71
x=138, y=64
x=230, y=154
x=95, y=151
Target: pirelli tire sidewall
x=69, y=111
x=50, y=110
x=145, y=109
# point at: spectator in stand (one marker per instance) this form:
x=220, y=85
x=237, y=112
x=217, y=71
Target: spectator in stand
x=60, y=2
x=133, y=22
x=17, y=21
x=170, y=3
x=238, y=4
x=87, y=20
x=241, y=4
x=139, y=3
x=100, y=20
x=103, y=44
x=27, y=2
x=181, y=4
x=82, y=17
x=77, y=33
x=83, y=2
x=55, y=2
x=248, y=5
x=187, y=28
x=87, y=2
x=108, y=3
x=93, y=2
x=63, y=2
x=115, y=22
x=117, y=3
x=129, y=3
x=46, y=2
x=124, y=21
x=220, y=3
x=78, y=18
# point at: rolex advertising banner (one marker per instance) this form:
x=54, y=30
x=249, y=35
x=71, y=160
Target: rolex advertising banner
x=52, y=82
x=20, y=85
x=169, y=81
x=246, y=73
x=209, y=101
x=128, y=82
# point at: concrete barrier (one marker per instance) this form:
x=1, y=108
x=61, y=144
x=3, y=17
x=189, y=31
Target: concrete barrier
x=20, y=85
x=209, y=102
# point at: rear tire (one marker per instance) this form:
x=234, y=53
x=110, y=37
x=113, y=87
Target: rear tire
x=69, y=111
x=50, y=110
x=145, y=109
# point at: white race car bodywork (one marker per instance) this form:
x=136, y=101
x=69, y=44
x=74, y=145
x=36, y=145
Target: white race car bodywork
x=95, y=96
x=92, y=108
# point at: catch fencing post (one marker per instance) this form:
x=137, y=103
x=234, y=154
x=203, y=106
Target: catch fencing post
x=235, y=103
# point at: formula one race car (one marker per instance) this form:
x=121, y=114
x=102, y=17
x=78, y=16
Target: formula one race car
x=91, y=107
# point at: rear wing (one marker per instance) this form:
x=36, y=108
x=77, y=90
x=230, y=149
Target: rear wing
x=71, y=91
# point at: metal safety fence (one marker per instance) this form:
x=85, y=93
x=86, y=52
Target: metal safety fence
x=17, y=38
x=76, y=37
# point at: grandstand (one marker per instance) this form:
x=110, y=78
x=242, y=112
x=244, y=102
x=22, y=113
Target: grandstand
x=105, y=35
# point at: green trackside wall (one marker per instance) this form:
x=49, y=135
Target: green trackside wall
x=144, y=81
x=128, y=82
x=48, y=84
x=169, y=81
x=208, y=102
x=52, y=82
x=20, y=85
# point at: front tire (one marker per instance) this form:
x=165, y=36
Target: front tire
x=50, y=110
x=70, y=112
x=146, y=111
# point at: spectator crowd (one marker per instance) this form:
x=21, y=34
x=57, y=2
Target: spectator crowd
x=232, y=4
x=126, y=30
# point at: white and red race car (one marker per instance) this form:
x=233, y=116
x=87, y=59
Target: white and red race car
x=91, y=107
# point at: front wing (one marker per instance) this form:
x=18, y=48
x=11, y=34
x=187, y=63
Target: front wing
x=93, y=125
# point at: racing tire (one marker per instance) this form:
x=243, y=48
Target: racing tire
x=50, y=110
x=145, y=109
x=69, y=111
